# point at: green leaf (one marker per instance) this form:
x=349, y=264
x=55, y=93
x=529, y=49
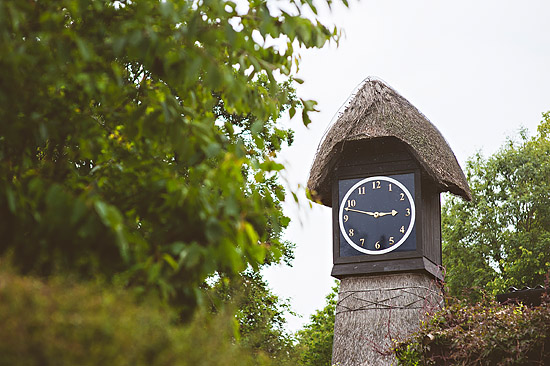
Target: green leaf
x=112, y=218
x=108, y=214
x=292, y=111
x=251, y=233
x=171, y=261
x=10, y=196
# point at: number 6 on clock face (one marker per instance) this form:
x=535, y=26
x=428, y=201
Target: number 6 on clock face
x=376, y=215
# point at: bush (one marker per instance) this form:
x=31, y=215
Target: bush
x=63, y=323
x=486, y=333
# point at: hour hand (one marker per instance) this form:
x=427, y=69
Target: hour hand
x=375, y=214
x=393, y=213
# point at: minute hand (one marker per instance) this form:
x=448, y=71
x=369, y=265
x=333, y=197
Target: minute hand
x=375, y=214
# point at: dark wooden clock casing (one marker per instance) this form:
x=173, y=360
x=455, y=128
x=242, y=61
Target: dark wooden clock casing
x=378, y=187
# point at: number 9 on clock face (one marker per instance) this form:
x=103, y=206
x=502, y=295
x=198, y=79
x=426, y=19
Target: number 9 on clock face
x=377, y=214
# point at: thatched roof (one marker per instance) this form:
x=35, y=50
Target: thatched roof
x=374, y=111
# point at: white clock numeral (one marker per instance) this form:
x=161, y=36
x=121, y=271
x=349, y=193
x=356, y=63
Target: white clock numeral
x=402, y=197
x=402, y=230
x=351, y=203
x=377, y=245
x=346, y=218
x=408, y=212
x=362, y=241
x=391, y=241
x=351, y=233
x=361, y=190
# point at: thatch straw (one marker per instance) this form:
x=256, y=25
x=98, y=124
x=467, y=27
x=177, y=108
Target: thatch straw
x=374, y=111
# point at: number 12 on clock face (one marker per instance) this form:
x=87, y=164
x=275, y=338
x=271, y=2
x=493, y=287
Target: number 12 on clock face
x=377, y=214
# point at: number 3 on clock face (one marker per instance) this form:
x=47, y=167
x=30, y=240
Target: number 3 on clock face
x=376, y=215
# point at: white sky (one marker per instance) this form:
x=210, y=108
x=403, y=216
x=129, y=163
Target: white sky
x=479, y=70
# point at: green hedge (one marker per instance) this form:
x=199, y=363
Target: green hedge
x=63, y=323
x=485, y=333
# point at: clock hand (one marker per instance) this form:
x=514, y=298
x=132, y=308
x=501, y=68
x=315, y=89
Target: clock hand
x=393, y=213
x=375, y=214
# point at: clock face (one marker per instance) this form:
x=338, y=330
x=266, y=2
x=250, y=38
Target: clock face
x=376, y=214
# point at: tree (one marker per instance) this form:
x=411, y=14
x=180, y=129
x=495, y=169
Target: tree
x=260, y=315
x=502, y=237
x=138, y=138
x=315, y=340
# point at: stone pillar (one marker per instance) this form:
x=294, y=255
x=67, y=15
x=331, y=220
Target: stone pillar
x=373, y=311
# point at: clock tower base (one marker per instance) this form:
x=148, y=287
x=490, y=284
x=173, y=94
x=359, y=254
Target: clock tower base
x=373, y=311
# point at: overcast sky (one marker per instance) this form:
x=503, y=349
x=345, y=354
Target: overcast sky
x=479, y=70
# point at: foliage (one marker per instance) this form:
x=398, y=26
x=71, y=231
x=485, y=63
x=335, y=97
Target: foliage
x=260, y=315
x=138, y=138
x=485, y=333
x=315, y=340
x=62, y=323
x=502, y=237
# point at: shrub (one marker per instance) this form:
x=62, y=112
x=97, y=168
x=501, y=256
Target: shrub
x=63, y=323
x=485, y=333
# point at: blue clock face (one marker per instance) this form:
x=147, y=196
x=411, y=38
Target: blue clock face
x=376, y=215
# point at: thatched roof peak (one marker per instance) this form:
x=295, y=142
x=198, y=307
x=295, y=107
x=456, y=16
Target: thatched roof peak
x=376, y=110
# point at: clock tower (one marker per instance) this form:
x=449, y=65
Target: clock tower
x=381, y=167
